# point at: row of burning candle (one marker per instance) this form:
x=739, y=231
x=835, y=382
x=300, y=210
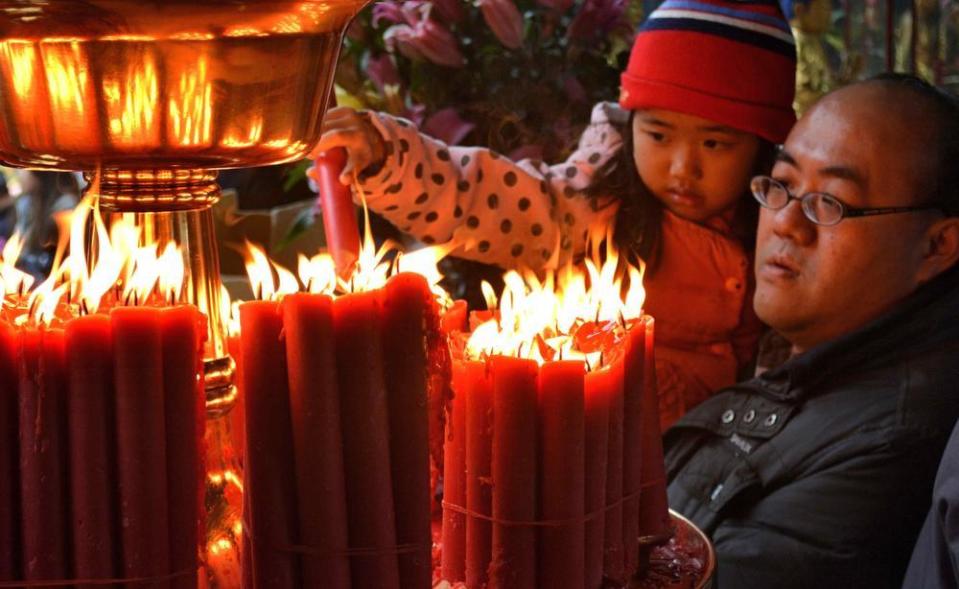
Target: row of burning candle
x=553, y=471
x=336, y=396
x=351, y=351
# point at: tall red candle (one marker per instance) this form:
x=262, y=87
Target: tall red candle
x=613, y=556
x=562, y=489
x=43, y=482
x=515, y=427
x=454, y=482
x=654, y=521
x=317, y=439
x=633, y=453
x=366, y=449
x=479, y=446
x=141, y=433
x=92, y=431
x=269, y=446
x=9, y=455
x=602, y=387
x=407, y=311
x=455, y=318
x=182, y=333
x=238, y=412
x=339, y=214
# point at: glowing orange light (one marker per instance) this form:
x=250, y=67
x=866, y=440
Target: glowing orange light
x=539, y=318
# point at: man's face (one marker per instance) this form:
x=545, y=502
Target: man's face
x=816, y=283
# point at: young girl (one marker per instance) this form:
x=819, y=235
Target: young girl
x=707, y=93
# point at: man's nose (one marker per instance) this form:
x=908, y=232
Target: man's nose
x=685, y=163
x=790, y=222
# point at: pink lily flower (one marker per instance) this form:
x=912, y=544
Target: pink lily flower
x=557, y=5
x=598, y=18
x=423, y=38
x=451, y=11
x=448, y=126
x=504, y=19
x=382, y=71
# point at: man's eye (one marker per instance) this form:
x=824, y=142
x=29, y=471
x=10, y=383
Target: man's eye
x=785, y=183
x=656, y=136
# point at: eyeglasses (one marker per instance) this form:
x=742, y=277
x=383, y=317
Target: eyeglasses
x=819, y=207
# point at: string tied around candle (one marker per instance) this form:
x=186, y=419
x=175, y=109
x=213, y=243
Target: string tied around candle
x=552, y=523
x=408, y=548
x=100, y=581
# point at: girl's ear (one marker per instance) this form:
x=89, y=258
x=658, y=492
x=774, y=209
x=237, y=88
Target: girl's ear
x=941, y=248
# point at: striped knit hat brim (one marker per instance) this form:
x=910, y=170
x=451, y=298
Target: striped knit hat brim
x=725, y=61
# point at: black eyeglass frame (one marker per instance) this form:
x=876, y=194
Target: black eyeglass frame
x=845, y=211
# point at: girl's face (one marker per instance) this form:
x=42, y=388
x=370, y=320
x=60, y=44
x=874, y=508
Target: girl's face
x=696, y=168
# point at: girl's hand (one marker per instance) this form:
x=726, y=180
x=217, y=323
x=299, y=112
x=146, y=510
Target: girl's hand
x=352, y=130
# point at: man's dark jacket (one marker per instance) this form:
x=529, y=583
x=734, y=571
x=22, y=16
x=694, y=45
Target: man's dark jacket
x=819, y=473
x=935, y=560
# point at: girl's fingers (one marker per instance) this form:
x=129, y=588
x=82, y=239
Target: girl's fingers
x=346, y=128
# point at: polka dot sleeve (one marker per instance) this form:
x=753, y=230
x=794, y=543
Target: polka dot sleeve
x=502, y=212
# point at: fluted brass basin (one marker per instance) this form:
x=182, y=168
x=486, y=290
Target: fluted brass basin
x=156, y=91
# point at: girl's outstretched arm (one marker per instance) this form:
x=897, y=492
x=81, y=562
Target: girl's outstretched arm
x=502, y=212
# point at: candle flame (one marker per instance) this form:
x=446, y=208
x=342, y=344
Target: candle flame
x=374, y=266
x=551, y=317
x=12, y=280
x=94, y=267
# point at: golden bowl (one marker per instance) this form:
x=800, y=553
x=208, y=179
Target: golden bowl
x=135, y=87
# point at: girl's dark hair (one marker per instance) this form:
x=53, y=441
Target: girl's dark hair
x=638, y=228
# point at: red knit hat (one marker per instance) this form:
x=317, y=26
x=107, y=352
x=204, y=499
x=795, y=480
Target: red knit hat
x=733, y=62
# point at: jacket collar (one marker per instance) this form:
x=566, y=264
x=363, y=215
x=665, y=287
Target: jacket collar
x=924, y=320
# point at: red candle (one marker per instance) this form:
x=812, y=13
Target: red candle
x=407, y=311
x=455, y=318
x=514, y=472
x=562, y=489
x=238, y=412
x=366, y=450
x=9, y=455
x=339, y=214
x=317, y=440
x=90, y=417
x=654, y=522
x=183, y=333
x=633, y=452
x=613, y=557
x=479, y=446
x=454, y=482
x=43, y=482
x=141, y=433
x=269, y=447
x=602, y=387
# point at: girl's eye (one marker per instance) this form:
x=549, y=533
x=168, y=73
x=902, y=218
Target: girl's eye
x=656, y=136
x=716, y=144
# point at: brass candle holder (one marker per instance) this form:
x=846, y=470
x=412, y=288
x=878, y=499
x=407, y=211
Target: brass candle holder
x=149, y=98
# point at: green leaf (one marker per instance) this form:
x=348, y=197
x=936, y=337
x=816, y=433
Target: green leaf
x=296, y=174
x=304, y=221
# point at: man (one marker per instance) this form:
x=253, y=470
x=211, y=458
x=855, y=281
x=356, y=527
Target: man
x=818, y=473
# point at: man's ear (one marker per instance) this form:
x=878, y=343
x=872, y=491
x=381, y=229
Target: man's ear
x=941, y=250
